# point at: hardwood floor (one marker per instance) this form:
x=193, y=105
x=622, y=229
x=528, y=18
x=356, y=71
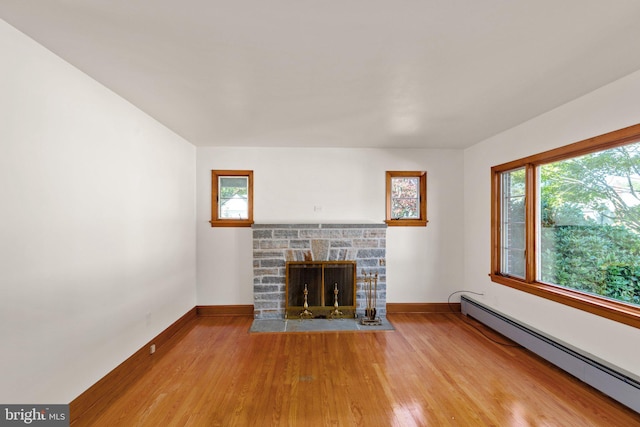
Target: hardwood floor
x=433, y=370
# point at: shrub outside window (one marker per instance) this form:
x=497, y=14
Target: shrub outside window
x=566, y=225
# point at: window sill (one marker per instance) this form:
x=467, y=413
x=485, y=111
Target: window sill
x=406, y=222
x=231, y=223
x=613, y=310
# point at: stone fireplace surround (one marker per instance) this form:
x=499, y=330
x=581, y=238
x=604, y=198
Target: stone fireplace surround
x=275, y=244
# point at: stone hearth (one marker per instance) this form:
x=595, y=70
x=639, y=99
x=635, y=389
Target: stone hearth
x=275, y=244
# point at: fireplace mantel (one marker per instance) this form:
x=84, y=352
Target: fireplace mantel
x=275, y=244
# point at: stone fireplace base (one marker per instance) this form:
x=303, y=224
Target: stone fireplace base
x=316, y=325
x=275, y=244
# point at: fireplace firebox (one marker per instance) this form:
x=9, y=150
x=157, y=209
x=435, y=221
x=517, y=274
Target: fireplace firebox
x=321, y=289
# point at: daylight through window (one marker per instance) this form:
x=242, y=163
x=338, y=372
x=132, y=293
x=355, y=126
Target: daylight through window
x=232, y=198
x=406, y=198
x=589, y=226
x=513, y=225
x=566, y=225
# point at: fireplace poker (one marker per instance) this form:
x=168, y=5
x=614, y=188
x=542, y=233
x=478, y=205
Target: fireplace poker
x=375, y=300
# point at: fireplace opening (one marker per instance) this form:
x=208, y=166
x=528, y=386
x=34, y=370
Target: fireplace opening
x=322, y=289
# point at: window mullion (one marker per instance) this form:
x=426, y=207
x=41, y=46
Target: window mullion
x=530, y=222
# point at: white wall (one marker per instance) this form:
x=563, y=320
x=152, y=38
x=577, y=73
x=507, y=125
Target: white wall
x=97, y=233
x=423, y=263
x=612, y=107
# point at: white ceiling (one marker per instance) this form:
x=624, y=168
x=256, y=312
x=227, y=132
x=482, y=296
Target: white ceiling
x=350, y=73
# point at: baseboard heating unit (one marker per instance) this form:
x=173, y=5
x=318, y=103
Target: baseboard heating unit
x=612, y=381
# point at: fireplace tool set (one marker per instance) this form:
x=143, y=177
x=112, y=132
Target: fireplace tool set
x=371, y=292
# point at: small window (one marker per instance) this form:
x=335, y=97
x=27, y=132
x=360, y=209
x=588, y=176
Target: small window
x=406, y=198
x=231, y=198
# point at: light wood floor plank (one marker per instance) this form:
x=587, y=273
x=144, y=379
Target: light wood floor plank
x=433, y=370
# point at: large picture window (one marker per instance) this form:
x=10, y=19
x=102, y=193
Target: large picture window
x=566, y=225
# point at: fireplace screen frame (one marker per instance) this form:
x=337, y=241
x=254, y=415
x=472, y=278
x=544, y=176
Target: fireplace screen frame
x=321, y=278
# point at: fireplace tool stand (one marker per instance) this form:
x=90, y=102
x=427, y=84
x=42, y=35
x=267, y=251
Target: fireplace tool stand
x=306, y=313
x=371, y=292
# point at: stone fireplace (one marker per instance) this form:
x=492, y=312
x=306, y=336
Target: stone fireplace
x=276, y=244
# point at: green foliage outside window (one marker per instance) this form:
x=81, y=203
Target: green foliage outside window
x=597, y=259
x=622, y=282
x=590, y=223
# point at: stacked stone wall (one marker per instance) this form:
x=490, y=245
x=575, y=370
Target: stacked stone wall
x=275, y=244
